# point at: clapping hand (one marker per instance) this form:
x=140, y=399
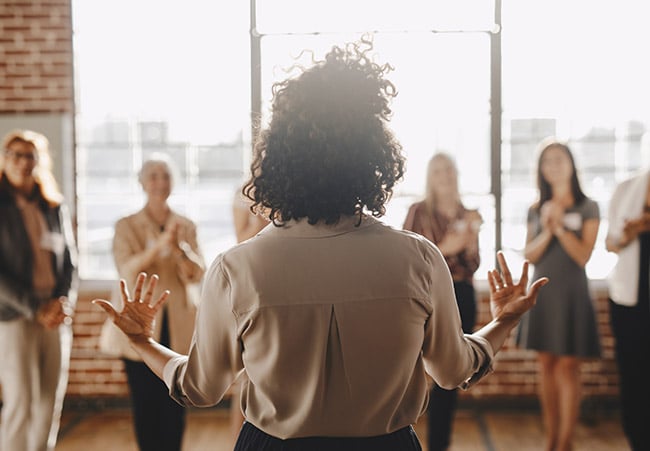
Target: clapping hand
x=136, y=319
x=508, y=301
x=55, y=312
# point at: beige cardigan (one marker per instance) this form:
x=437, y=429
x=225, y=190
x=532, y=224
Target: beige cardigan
x=133, y=235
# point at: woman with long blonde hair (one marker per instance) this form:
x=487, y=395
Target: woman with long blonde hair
x=37, y=294
x=445, y=221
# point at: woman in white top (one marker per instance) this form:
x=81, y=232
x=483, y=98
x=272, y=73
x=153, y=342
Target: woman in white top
x=334, y=316
x=629, y=292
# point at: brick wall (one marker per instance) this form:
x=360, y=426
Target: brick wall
x=96, y=375
x=35, y=56
x=515, y=372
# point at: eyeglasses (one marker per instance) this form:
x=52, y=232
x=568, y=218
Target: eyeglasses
x=14, y=155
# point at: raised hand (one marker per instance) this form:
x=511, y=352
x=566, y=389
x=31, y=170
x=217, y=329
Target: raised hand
x=507, y=299
x=136, y=319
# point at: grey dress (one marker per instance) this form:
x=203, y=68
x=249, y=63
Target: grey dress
x=563, y=320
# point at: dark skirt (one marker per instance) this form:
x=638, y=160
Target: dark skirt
x=254, y=439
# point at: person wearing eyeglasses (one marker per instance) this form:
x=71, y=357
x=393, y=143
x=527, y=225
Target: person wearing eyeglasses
x=334, y=317
x=37, y=294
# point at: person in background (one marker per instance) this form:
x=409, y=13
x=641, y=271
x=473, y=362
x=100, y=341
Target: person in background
x=158, y=240
x=562, y=229
x=37, y=294
x=334, y=317
x=247, y=224
x=629, y=292
x=443, y=219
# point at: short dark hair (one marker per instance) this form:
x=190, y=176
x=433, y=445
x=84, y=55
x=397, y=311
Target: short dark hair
x=328, y=151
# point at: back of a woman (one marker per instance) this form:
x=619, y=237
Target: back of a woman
x=334, y=317
x=364, y=324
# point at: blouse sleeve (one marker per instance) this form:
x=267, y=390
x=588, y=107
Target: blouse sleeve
x=452, y=358
x=214, y=361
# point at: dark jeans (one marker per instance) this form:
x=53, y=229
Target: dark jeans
x=631, y=328
x=254, y=439
x=159, y=421
x=442, y=403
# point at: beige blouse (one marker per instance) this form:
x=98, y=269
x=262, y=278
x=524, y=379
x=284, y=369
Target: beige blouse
x=335, y=327
x=133, y=234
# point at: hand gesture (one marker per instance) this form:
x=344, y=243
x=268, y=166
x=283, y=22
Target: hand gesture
x=634, y=227
x=552, y=214
x=136, y=319
x=169, y=238
x=454, y=242
x=508, y=300
x=54, y=313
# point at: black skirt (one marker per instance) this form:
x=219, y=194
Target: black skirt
x=253, y=439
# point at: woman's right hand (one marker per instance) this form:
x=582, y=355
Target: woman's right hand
x=136, y=319
x=509, y=301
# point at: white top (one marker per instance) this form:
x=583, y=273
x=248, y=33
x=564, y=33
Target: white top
x=627, y=203
x=334, y=326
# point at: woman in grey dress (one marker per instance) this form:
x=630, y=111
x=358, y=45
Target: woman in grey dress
x=562, y=230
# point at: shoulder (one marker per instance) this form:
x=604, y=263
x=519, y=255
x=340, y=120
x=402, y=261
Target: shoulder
x=533, y=211
x=183, y=221
x=129, y=222
x=589, y=207
x=417, y=207
x=629, y=184
x=472, y=214
x=406, y=239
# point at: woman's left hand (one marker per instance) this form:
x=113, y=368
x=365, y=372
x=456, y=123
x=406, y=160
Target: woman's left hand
x=508, y=301
x=136, y=319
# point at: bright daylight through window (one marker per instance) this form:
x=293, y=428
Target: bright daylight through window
x=182, y=85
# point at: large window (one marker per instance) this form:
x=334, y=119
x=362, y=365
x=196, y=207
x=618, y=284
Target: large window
x=172, y=77
x=441, y=60
x=166, y=77
x=574, y=70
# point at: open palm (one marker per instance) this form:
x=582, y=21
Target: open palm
x=507, y=299
x=137, y=317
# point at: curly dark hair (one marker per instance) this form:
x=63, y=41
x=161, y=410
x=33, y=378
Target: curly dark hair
x=328, y=151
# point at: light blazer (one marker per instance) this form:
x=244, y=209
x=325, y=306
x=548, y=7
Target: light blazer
x=133, y=234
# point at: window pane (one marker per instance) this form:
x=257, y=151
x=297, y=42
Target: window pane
x=299, y=16
x=570, y=70
x=171, y=86
x=442, y=105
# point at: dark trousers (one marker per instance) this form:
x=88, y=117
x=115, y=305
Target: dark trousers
x=159, y=421
x=442, y=403
x=254, y=439
x=631, y=328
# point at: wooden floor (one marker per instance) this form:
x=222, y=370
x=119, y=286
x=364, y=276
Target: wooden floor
x=474, y=430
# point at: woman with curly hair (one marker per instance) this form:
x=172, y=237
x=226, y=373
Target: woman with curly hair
x=334, y=316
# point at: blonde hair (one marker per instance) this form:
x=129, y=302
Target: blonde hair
x=429, y=198
x=43, y=170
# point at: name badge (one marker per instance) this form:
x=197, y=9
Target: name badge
x=53, y=242
x=573, y=221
